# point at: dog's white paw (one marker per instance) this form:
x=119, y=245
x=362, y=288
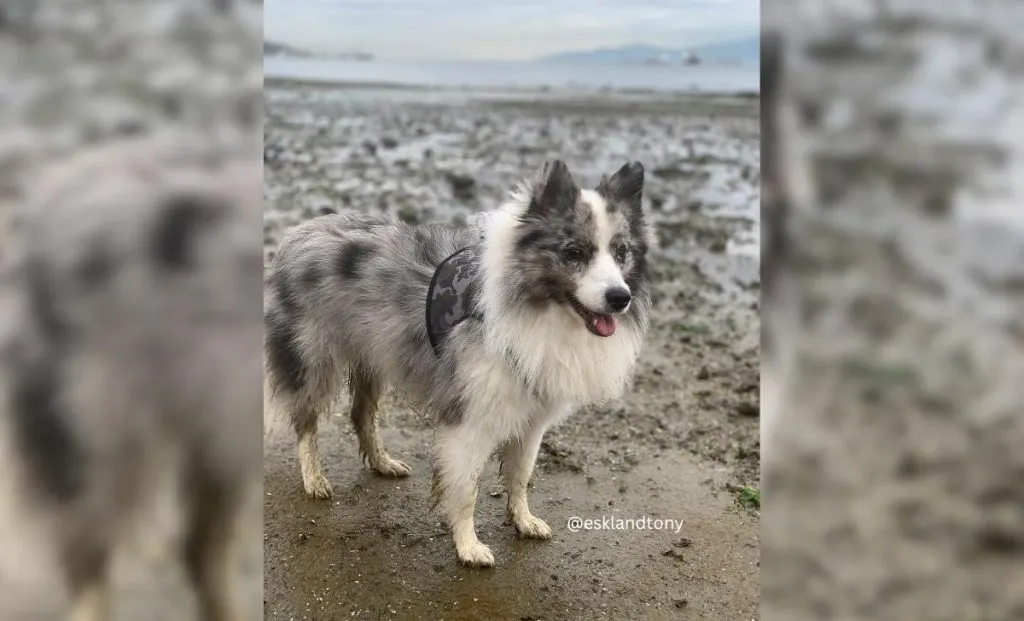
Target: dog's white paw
x=385, y=466
x=317, y=486
x=532, y=527
x=92, y=604
x=475, y=554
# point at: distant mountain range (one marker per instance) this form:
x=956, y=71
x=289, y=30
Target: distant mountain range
x=741, y=51
x=746, y=50
x=282, y=49
x=271, y=48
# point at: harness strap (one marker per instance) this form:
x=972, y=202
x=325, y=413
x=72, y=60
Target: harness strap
x=451, y=298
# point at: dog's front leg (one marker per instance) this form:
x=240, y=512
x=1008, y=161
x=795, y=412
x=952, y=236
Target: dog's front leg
x=518, y=456
x=462, y=452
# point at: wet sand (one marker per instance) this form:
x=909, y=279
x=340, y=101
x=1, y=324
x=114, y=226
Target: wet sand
x=678, y=446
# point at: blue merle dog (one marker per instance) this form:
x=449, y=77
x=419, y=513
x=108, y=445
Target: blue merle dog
x=500, y=329
x=130, y=348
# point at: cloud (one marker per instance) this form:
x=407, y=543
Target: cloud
x=432, y=29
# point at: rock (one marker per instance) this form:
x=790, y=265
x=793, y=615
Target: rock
x=408, y=214
x=673, y=172
x=389, y=142
x=463, y=185
x=749, y=409
x=674, y=554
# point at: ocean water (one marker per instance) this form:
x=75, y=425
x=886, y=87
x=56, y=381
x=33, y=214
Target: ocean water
x=521, y=75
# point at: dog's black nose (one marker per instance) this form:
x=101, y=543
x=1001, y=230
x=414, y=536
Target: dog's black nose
x=617, y=298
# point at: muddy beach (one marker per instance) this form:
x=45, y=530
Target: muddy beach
x=682, y=445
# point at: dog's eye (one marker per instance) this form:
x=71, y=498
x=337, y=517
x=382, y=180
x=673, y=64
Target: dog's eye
x=621, y=252
x=572, y=254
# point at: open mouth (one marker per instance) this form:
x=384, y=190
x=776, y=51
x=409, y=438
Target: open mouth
x=598, y=323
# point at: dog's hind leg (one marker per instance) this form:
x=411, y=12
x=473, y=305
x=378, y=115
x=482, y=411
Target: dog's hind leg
x=305, y=416
x=208, y=546
x=365, y=395
x=86, y=565
x=518, y=456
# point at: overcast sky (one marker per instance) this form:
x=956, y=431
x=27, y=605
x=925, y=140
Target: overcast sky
x=512, y=30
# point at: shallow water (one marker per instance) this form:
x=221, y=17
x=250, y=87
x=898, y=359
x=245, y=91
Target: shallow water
x=701, y=153
x=495, y=74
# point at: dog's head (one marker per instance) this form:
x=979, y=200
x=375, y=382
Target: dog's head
x=583, y=249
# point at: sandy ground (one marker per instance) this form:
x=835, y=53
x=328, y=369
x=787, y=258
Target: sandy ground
x=677, y=447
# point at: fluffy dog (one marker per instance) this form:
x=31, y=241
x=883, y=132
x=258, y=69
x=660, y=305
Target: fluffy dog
x=500, y=329
x=130, y=343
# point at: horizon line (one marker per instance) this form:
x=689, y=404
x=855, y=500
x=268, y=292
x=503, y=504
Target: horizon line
x=300, y=48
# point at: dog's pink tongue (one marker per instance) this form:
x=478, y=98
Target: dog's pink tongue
x=603, y=324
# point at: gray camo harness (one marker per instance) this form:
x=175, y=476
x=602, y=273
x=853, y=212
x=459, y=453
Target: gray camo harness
x=451, y=298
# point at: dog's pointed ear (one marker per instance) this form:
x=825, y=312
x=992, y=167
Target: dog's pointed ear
x=625, y=187
x=553, y=188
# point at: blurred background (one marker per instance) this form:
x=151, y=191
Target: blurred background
x=618, y=45
x=431, y=111
x=75, y=74
x=893, y=475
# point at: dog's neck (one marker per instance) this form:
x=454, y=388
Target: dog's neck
x=547, y=347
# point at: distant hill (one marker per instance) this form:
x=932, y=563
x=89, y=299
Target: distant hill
x=742, y=50
x=271, y=48
x=282, y=49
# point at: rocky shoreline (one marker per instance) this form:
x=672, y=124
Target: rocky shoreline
x=443, y=162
